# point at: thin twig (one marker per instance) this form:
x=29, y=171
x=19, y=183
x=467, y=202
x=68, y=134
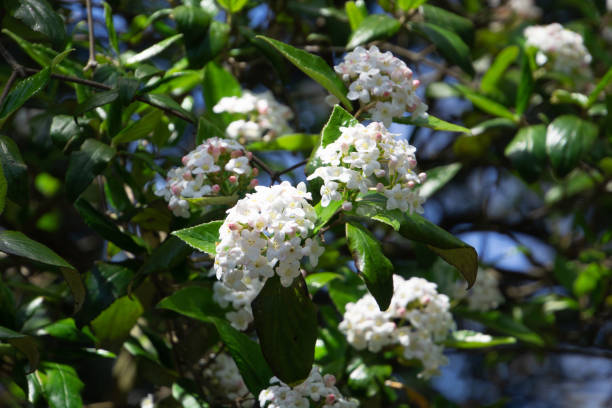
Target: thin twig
x=8, y=86
x=11, y=61
x=91, y=62
x=262, y=165
x=289, y=169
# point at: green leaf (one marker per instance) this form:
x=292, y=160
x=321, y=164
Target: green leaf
x=219, y=83
x=207, y=48
x=188, y=398
x=339, y=118
x=110, y=27
x=214, y=200
x=373, y=27
x=433, y=123
x=286, y=324
x=105, y=227
x=193, y=301
x=486, y=104
x=376, y=270
x=527, y=151
x=488, y=124
x=355, y=13
x=203, y=237
x=66, y=329
x=23, y=91
x=408, y=5
x=15, y=243
x=40, y=17
x=97, y=99
x=85, y=165
x=526, y=84
x=562, y=96
x=324, y=214
x=349, y=289
x=315, y=67
x=316, y=281
x=3, y=188
x=451, y=21
x=114, y=324
x=167, y=256
x=468, y=339
x=503, y=60
x=568, y=139
x=192, y=21
x=207, y=129
x=601, y=85
x=139, y=129
x=233, y=6
x=437, y=178
x=23, y=343
x=15, y=171
x=65, y=132
x=62, y=388
x=166, y=102
x=294, y=142
x=153, y=50
x=449, y=44
x=495, y=320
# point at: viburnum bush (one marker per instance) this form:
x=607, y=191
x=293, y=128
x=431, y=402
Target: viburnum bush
x=304, y=203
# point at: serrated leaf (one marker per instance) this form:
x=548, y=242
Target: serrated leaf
x=527, y=151
x=486, y=104
x=39, y=16
x=373, y=27
x=153, y=50
x=203, y=237
x=139, y=129
x=291, y=142
x=315, y=67
x=15, y=171
x=105, y=227
x=568, y=139
x=503, y=60
x=85, y=165
x=449, y=44
x=23, y=91
x=286, y=324
x=434, y=123
x=376, y=269
x=62, y=388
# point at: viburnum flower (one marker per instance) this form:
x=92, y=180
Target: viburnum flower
x=264, y=234
x=365, y=157
x=316, y=389
x=263, y=117
x=217, y=167
x=418, y=320
x=525, y=8
x=382, y=83
x=485, y=294
x=228, y=383
x=563, y=49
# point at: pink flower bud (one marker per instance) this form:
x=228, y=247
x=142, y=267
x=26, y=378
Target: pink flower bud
x=249, y=155
x=329, y=380
x=187, y=176
x=411, y=184
x=330, y=399
x=222, y=149
x=378, y=137
x=233, y=179
x=380, y=172
x=412, y=162
x=236, y=153
x=416, y=83
x=233, y=226
x=176, y=190
x=380, y=188
x=255, y=171
x=184, y=160
x=210, y=149
x=347, y=206
x=216, y=188
x=253, y=183
x=422, y=177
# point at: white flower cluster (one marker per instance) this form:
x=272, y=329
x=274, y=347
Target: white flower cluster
x=370, y=156
x=263, y=234
x=382, y=81
x=320, y=390
x=264, y=117
x=226, y=379
x=217, y=167
x=525, y=8
x=563, y=48
x=417, y=320
x=485, y=294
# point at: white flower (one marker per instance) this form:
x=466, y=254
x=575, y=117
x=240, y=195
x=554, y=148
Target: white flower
x=525, y=8
x=415, y=302
x=382, y=80
x=224, y=375
x=485, y=294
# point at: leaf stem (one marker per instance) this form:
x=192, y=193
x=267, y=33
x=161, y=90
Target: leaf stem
x=91, y=62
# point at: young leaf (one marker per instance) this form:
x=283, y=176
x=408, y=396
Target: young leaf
x=503, y=60
x=315, y=67
x=139, y=129
x=286, y=324
x=110, y=27
x=153, y=50
x=486, y=104
x=114, y=324
x=568, y=138
x=376, y=269
x=450, y=45
x=15, y=171
x=23, y=91
x=526, y=84
x=468, y=339
x=62, y=388
x=233, y=6
x=355, y=14
x=527, y=151
x=40, y=17
x=433, y=123
x=373, y=27
x=85, y=165
x=292, y=142
x=203, y=237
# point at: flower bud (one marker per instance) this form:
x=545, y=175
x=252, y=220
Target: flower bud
x=380, y=188
x=347, y=206
x=216, y=188
x=253, y=183
x=380, y=173
x=422, y=177
x=255, y=171
x=236, y=153
x=233, y=179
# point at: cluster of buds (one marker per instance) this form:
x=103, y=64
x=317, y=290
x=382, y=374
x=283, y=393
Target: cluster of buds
x=217, y=167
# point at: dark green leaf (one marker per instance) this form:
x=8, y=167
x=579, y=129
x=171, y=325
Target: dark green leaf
x=15, y=243
x=23, y=91
x=207, y=129
x=291, y=142
x=324, y=214
x=153, y=50
x=373, y=27
x=495, y=320
x=526, y=84
x=114, y=324
x=105, y=227
x=601, y=85
x=166, y=102
x=192, y=21
x=62, y=388
x=339, y=118
x=316, y=281
x=286, y=324
x=207, y=47
x=315, y=67
x=167, y=256
x=437, y=178
x=449, y=44
x=433, y=123
x=376, y=270
x=65, y=132
x=368, y=377
x=40, y=17
x=218, y=83
x=3, y=189
x=23, y=343
x=355, y=13
x=203, y=237
x=486, y=104
x=110, y=27
x=85, y=165
x=98, y=99
x=503, y=60
x=527, y=151
x=451, y=21
x=468, y=339
x=139, y=129
x=348, y=289
x=568, y=138
x=15, y=171
x=193, y=301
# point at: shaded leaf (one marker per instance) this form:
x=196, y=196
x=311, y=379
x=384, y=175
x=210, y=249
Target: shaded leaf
x=85, y=165
x=433, y=123
x=98, y=99
x=526, y=84
x=40, y=17
x=568, y=139
x=373, y=27
x=114, y=324
x=437, y=178
x=23, y=343
x=503, y=60
x=449, y=44
x=23, y=91
x=62, y=388
x=110, y=27
x=316, y=281
x=468, y=339
x=498, y=321
x=601, y=85
x=153, y=50
x=15, y=171
x=139, y=129
x=527, y=151
x=193, y=301
x=15, y=243
x=324, y=214
x=451, y=21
